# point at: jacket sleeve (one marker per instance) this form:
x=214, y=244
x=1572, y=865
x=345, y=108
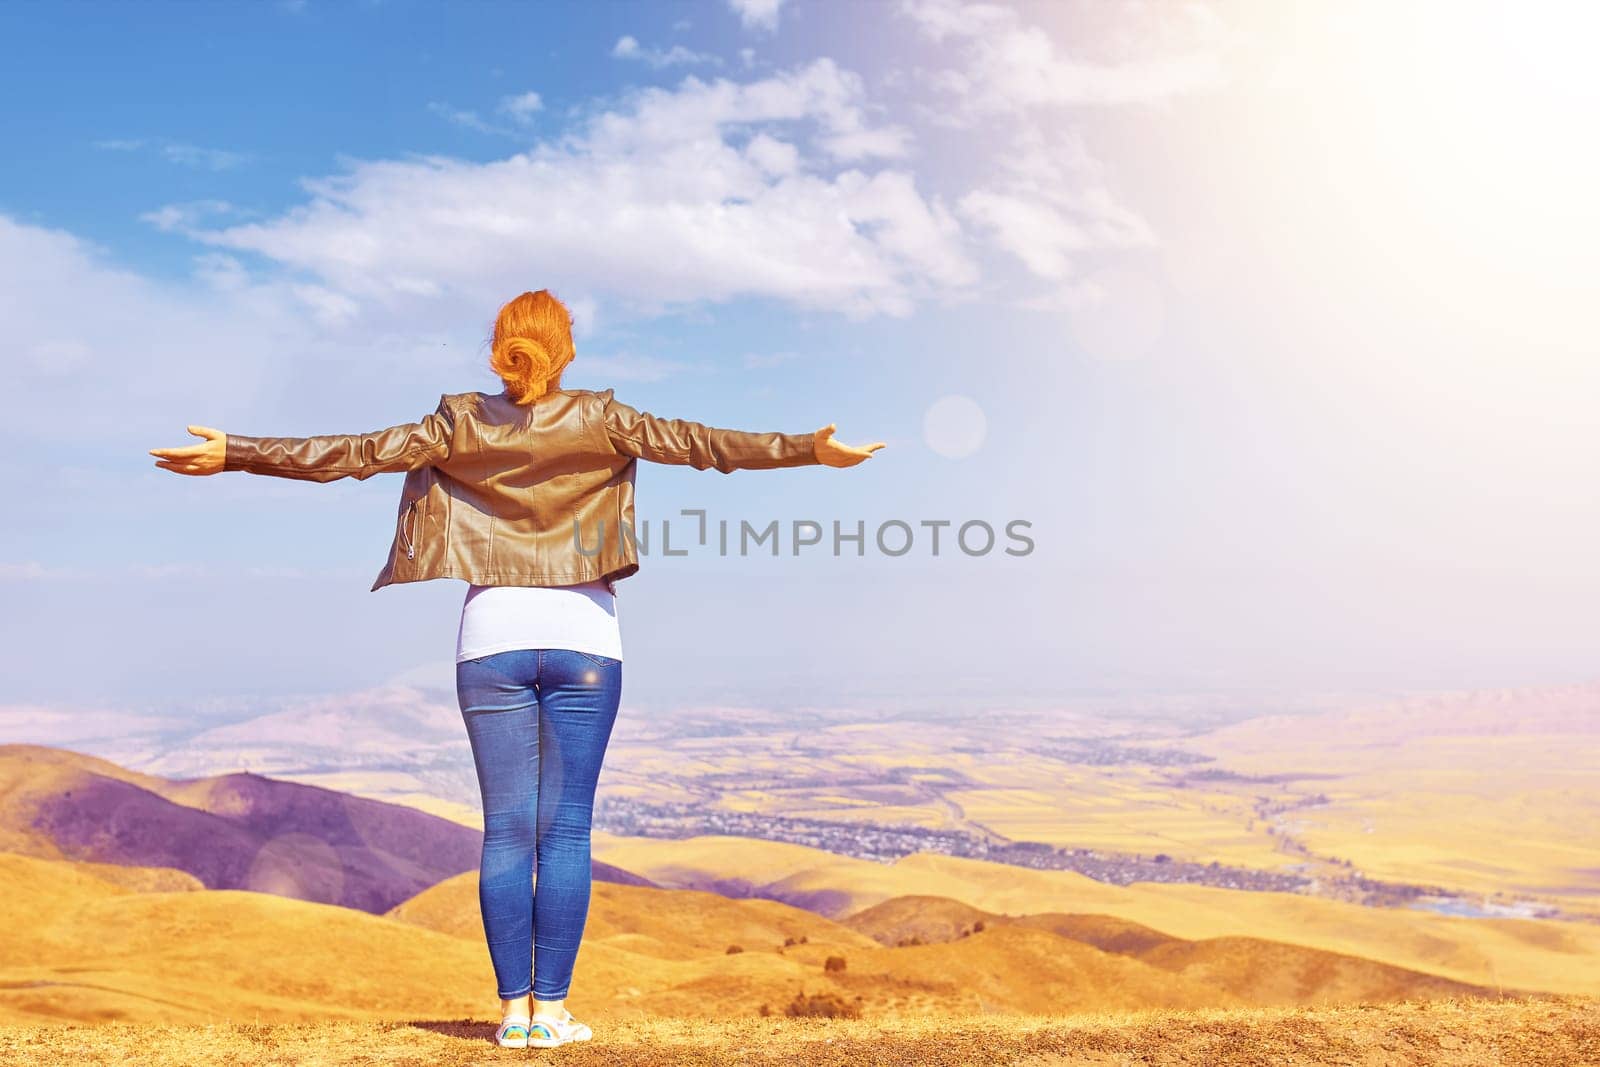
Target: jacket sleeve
x=679, y=441
x=324, y=458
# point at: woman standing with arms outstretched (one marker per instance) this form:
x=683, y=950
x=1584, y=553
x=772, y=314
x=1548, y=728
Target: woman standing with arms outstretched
x=527, y=495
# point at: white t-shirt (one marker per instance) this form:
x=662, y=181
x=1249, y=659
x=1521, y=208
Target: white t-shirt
x=499, y=618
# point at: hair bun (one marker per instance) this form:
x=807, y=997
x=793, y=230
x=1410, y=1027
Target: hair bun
x=531, y=345
x=527, y=366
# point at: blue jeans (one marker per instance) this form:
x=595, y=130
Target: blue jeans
x=539, y=721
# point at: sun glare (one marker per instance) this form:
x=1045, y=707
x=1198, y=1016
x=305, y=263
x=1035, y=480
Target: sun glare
x=1488, y=112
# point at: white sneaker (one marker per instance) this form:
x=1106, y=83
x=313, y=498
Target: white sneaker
x=513, y=1032
x=546, y=1031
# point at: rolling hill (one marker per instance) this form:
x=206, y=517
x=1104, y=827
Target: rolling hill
x=87, y=947
x=1494, y=953
x=233, y=831
x=124, y=923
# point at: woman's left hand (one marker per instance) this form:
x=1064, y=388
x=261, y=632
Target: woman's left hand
x=204, y=458
x=836, y=453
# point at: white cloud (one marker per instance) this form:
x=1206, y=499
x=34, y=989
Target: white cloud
x=939, y=19
x=466, y=118
x=1047, y=205
x=676, y=196
x=220, y=271
x=522, y=106
x=181, y=217
x=1045, y=199
x=328, y=307
x=217, y=349
x=757, y=14
x=177, y=152
x=773, y=156
x=1012, y=64
x=208, y=158
x=1039, y=235
x=677, y=55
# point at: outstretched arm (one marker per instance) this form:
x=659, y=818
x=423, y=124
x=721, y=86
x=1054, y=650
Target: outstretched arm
x=679, y=441
x=318, y=459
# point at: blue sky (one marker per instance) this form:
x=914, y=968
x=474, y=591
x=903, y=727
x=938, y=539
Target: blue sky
x=1288, y=378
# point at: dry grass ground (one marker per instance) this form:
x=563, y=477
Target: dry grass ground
x=1449, y=1033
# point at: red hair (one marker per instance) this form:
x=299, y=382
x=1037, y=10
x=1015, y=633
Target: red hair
x=531, y=345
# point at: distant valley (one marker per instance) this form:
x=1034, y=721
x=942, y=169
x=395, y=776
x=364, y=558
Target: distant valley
x=242, y=896
x=1344, y=804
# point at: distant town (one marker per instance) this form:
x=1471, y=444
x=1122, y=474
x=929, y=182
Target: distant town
x=885, y=844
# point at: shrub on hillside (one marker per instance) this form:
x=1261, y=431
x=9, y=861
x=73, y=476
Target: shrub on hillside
x=833, y=963
x=822, y=1005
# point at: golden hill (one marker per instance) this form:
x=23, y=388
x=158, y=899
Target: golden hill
x=670, y=924
x=1558, y=957
x=77, y=945
x=1019, y=969
x=87, y=945
x=232, y=831
x=1258, y=972
x=1017, y=963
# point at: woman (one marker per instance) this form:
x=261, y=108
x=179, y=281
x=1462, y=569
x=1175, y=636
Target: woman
x=527, y=495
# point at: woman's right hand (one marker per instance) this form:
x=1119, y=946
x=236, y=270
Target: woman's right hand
x=836, y=453
x=207, y=457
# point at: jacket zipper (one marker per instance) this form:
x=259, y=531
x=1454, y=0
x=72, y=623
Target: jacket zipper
x=406, y=533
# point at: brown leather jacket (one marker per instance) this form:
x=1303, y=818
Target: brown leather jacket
x=502, y=494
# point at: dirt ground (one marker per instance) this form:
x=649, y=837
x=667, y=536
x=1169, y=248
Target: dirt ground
x=1561, y=1031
